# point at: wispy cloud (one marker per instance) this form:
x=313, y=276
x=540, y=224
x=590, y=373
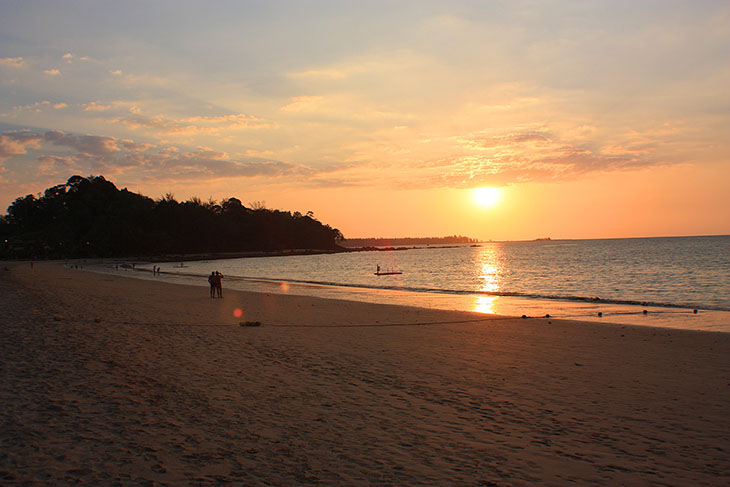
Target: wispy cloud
x=330, y=73
x=96, y=107
x=480, y=159
x=112, y=156
x=12, y=62
x=185, y=126
x=519, y=157
x=36, y=107
x=303, y=104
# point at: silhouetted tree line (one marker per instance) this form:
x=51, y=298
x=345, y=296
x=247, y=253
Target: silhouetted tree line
x=90, y=217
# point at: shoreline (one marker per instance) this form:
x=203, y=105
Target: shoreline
x=657, y=316
x=127, y=382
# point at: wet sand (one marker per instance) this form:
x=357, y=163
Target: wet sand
x=107, y=380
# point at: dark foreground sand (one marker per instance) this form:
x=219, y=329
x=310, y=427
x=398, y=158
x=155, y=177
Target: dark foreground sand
x=106, y=380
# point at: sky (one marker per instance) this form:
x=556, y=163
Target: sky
x=589, y=119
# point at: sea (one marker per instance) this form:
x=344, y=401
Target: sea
x=668, y=282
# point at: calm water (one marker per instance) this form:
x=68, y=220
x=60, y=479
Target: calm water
x=668, y=277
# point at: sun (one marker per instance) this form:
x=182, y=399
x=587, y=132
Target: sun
x=486, y=197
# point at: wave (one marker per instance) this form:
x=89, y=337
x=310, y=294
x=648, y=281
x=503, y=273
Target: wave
x=515, y=294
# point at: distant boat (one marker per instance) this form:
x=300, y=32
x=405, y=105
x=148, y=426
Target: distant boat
x=390, y=272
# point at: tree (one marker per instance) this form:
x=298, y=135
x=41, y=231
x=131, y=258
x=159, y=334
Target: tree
x=91, y=217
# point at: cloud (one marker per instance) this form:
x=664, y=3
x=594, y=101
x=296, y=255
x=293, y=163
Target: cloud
x=342, y=108
x=234, y=118
x=55, y=165
x=528, y=156
x=321, y=74
x=524, y=138
x=164, y=125
x=531, y=138
x=70, y=57
x=384, y=64
x=17, y=143
x=112, y=156
x=303, y=103
x=133, y=146
x=210, y=165
x=96, y=107
x=52, y=72
x=129, y=114
x=337, y=182
x=479, y=159
x=36, y=107
x=89, y=144
x=143, y=80
x=13, y=62
x=40, y=106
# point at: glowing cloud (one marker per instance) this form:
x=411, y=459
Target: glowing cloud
x=13, y=62
x=96, y=107
x=17, y=143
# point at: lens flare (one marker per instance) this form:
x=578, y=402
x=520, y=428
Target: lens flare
x=284, y=287
x=238, y=312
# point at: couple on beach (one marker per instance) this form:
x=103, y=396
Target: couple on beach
x=216, y=284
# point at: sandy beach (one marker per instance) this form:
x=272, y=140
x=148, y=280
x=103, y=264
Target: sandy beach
x=107, y=380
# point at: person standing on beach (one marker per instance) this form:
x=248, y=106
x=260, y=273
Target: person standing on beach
x=219, y=284
x=212, y=282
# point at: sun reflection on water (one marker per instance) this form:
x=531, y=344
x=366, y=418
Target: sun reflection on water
x=484, y=304
x=490, y=274
x=489, y=278
x=491, y=268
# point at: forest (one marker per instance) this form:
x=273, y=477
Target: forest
x=90, y=217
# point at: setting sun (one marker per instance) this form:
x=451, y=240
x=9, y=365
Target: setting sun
x=486, y=197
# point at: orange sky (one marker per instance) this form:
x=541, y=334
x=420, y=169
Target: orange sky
x=593, y=119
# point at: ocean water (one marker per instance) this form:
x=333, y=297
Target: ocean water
x=641, y=281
